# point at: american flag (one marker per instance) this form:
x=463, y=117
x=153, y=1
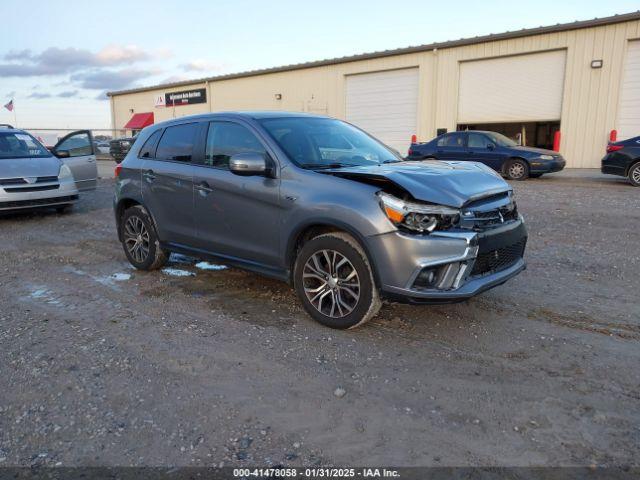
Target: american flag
x=9, y=106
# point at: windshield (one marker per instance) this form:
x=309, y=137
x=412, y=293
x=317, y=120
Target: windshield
x=501, y=140
x=21, y=145
x=326, y=143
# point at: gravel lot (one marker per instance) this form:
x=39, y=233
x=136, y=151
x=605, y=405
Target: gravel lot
x=104, y=365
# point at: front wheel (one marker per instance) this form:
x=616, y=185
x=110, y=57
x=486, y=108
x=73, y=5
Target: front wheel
x=140, y=241
x=517, y=169
x=634, y=175
x=334, y=281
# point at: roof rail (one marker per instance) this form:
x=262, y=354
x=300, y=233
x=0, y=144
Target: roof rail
x=5, y=125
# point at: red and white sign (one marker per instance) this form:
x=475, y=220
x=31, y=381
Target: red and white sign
x=160, y=101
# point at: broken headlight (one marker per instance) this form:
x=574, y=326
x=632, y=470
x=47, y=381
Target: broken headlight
x=419, y=217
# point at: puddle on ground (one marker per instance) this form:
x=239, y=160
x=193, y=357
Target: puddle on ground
x=106, y=280
x=176, y=272
x=120, y=277
x=180, y=258
x=210, y=266
x=45, y=296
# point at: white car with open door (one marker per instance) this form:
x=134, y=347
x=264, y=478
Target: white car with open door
x=33, y=177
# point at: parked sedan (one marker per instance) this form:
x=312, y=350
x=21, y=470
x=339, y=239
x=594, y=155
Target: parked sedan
x=494, y=150
x=33, y=177
x=623, y=158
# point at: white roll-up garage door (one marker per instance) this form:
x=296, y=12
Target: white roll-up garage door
x=629, y=108
x=512, y=89
x=385, y=104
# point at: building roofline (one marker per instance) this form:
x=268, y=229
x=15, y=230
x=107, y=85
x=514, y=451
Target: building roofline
x=525, y=32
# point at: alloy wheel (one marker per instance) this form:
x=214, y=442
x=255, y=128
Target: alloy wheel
x=331, y=283
x=136, y=238
x=635, y=175
x=516, y=170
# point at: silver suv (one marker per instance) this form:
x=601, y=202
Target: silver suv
x=259, y=191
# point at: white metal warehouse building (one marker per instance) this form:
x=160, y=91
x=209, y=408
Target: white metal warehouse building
x=581, y=78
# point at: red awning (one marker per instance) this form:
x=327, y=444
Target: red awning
x=139, y=121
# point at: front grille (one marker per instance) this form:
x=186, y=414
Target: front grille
x=482, y=220
x=38, y=188
x=22, y=181
x=499, y=259
x=40, y=202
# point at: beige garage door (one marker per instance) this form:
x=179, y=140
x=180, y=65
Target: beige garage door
x=385, y=104
x=629, y=108
x=512, y=89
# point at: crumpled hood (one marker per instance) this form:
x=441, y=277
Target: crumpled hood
x=445, y=183
x=29, y=167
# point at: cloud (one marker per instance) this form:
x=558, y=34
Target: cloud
x=11, y=94
x=174, y=79
x=102, y=96
x=69, y=94
x=59, y=61
x=199, y=65
x=39, y=95
x=110, y=79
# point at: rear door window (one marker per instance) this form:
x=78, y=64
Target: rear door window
x=177, y=143
x=226, y=139
x=452, y=140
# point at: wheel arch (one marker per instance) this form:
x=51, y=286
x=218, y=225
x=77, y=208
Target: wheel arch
x=631, y=164
x=123, y=205
x=503, y=169
x=311, y=229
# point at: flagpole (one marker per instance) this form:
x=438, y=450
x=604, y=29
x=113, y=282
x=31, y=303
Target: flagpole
x=15, y=117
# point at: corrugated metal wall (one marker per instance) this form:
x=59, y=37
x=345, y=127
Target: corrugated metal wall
x=589, y=104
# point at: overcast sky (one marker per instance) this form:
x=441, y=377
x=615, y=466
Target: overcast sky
x=57, y=58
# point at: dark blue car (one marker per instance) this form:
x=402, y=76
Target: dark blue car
x=493, y=149
x=623, y=158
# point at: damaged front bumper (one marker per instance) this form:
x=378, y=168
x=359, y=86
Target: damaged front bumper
x=448, y=266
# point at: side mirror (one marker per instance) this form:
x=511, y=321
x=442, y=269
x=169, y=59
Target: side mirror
x=491, y=146
x=248, y=164
x=61, y=153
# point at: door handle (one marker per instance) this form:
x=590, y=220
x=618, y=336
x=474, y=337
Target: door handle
x=149, y=176
x=203, y=188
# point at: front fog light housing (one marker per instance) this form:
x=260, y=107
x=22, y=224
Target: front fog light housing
x=419, y=217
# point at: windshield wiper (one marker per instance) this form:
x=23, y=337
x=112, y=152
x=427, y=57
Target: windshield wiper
x=393, y=160
x=322, y=166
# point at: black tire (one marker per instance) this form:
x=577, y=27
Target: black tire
x=516, y=169
x=535, y=175
x=149, y=255
x=634, y=174
x=64, y=209
x=351, y=312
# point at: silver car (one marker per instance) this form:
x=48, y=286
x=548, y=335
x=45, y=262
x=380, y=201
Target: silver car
x=257, y=190
x=33, y=177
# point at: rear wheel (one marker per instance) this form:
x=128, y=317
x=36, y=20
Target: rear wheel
x=517, y=169
x=634, y=175
x=140, y=241
x=334, y=281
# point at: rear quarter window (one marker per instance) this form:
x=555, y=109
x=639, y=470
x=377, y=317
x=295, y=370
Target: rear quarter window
x=148, y=150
